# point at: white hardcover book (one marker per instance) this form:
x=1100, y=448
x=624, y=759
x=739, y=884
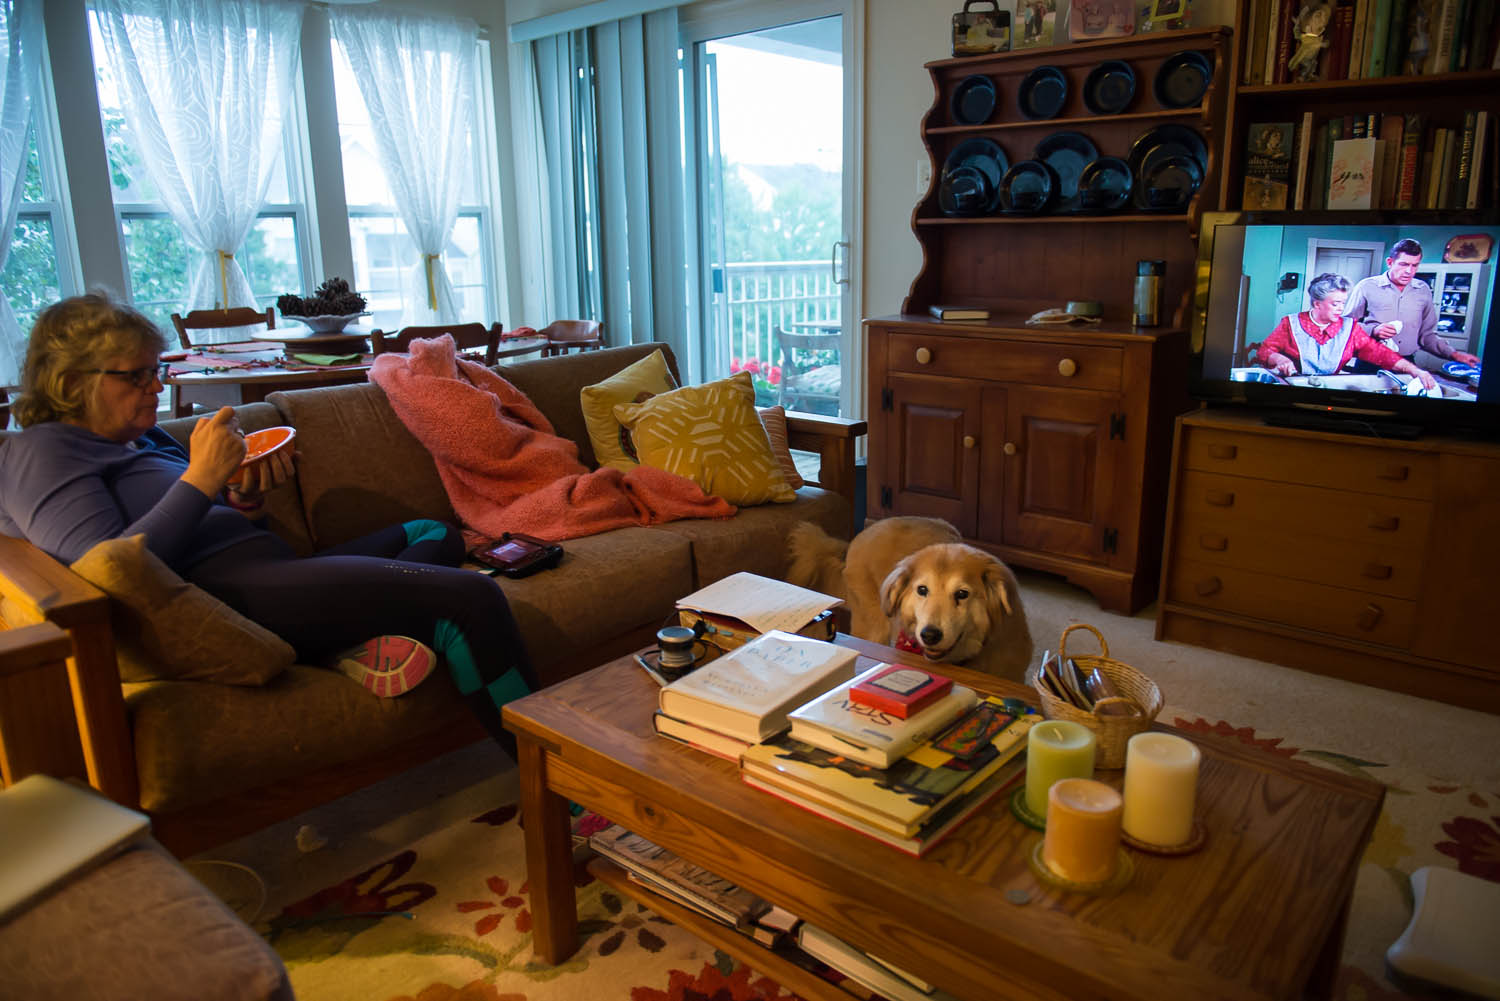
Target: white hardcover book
x=1476, y=168
x=719, y=744
x=748, y=692
x=836, y=723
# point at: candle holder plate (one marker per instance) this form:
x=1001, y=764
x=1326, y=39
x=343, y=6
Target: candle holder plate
x=1193, y=843
x=1124, y=872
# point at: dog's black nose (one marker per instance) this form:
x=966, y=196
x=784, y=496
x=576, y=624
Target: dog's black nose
x=931, y=636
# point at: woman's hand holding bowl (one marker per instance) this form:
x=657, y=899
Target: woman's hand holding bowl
x=215, y=450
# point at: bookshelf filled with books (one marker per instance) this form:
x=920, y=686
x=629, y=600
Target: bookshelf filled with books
x=1356, y=136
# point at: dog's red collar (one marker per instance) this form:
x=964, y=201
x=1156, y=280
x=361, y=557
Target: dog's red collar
x=906, y=644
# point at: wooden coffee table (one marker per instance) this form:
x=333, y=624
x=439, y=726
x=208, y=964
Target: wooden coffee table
x=1258, y=912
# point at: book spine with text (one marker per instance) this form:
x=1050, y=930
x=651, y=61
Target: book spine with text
x=1341, y=37
x=1464, y=162
x=1286, y=39
x=1392, y=134
x=1300, y=176
x=1411, y=159
x=1442, y=27
x=1357, y=50
x=1482, y=159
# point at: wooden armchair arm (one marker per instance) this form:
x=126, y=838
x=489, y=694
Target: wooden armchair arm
x=38, y=589
x=833, y=439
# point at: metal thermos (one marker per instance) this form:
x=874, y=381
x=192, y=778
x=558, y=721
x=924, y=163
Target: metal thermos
x=1148, y=279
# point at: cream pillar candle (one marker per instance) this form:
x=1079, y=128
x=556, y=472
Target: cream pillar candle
x=1083, y=830
x=1056, y=749
x=1161, y=788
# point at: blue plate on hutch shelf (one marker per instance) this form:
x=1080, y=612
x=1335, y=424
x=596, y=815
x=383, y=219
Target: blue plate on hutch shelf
x=1182, y=80
x=1029, y=187
x=1043, y=92
x=986, y=156
x=1164, y=141
x=1067, y=153
x=973, y=100
x=1109, y=88
x=1168, y=185
x=1104, y=185
x=966, y=191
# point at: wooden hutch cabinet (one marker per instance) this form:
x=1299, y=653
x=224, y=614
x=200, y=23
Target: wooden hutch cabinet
x=1047, y=446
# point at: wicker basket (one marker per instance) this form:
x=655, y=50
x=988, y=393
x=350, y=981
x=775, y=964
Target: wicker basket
x=1113, y=732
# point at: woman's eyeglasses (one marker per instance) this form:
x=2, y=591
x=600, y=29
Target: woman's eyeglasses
x=140, y=378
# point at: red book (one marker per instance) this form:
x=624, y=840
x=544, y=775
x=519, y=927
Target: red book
x=900, y=691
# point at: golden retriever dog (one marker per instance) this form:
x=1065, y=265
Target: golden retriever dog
x=912, y=583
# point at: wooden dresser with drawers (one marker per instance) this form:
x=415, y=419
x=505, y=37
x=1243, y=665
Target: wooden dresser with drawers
x=1365, y=559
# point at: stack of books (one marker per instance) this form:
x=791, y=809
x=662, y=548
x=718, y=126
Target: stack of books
x=917, y=799
x=1366, y=39
x=660, y=870
x=744, y=697
x=1372, y=161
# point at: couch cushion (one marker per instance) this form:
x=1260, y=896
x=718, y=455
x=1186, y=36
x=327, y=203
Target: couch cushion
x=711, y=435
x=755, y=539
x=773, y=419
x=283, y=508
x=607, y=585
x=167, y=628
x=359, y=469
x=632, y=384
x=554, y=384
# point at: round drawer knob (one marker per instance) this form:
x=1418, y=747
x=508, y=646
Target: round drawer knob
x=1010, y=448
x=1208, y=586
x=1067, y=367
x=924, y=355
x=968, y=441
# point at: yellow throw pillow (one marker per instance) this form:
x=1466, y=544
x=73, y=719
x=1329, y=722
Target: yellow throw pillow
x=773, y=419
x=711, y=435
x=166, y=628
x=633, y=384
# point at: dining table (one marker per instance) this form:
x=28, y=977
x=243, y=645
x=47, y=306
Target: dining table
x=214, y=375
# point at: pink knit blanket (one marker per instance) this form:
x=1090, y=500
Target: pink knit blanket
x=503, y=466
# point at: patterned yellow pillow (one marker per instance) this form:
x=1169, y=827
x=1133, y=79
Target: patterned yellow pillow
x=637, y=382
x=711, y=435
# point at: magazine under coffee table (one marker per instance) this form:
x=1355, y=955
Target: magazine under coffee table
x=1258, y=912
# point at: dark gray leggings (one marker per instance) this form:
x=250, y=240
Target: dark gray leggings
x=400, y=580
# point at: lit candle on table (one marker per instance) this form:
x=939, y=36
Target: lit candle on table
x=1056, y=749
x=1161, y=788
x=1083, y=830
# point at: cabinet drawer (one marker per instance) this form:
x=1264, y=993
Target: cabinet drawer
x=1371, y=618
x=1394, y=473
x=1274, y=511
x=1309, y=556
x=1074, y=366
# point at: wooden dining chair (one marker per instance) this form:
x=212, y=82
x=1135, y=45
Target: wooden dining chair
x=566, y=335
x=467, y=336
x=215, y=319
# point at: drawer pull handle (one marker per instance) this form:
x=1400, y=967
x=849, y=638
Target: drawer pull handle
x=1220, y=498
x=1376, y=571
x=924, y=355
x=968, y=441
x=1370, y=616
x=1009, y=448
x=1067, y=367
x=1213, y=543
x=1386, y=523
x=1394, y=473
x=1223, y=451
x=1208, y=586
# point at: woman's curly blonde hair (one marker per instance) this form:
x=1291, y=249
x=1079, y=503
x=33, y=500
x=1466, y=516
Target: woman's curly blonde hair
x=78, y=333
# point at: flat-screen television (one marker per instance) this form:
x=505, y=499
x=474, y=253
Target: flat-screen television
x=1380, y=326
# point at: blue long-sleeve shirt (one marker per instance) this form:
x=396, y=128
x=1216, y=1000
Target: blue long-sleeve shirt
x=64, y=488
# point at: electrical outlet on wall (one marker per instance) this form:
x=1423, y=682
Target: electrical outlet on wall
x=924, y=175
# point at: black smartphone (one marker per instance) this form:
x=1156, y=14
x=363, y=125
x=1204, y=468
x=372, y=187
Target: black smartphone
x=517, y=555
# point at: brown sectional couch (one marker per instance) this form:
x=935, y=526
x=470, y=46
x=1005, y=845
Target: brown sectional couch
x=212, y=761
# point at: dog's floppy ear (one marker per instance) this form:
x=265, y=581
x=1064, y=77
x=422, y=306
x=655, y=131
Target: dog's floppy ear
x=996, y=588
x=893, y=589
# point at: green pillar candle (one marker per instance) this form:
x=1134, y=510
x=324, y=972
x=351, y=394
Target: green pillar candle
x=1056, y=749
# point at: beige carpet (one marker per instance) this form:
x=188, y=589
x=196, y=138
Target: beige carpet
x=440, y=845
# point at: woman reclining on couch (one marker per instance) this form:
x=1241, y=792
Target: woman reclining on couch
x=91, y=465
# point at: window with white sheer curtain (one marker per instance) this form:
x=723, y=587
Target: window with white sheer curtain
x=206, y=152
x=605, y=110
x=20, y=85
x=385, y=256
x=406, y=86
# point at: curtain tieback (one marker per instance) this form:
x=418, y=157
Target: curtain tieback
x=431, y=282
x=224, y=258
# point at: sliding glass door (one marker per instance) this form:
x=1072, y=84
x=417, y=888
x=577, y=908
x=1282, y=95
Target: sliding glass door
x=770, y=122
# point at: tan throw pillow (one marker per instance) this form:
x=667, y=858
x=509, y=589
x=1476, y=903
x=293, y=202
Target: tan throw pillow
x=168, y=629
x=773, y=419
x=711, y=435
x=633, y=384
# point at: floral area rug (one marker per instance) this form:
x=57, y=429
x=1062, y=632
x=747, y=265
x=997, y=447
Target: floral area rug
x=448, y=918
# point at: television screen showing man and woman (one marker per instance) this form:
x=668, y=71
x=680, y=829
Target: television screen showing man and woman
x=1360, y=308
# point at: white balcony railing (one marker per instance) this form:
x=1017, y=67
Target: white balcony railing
x=762, y=295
